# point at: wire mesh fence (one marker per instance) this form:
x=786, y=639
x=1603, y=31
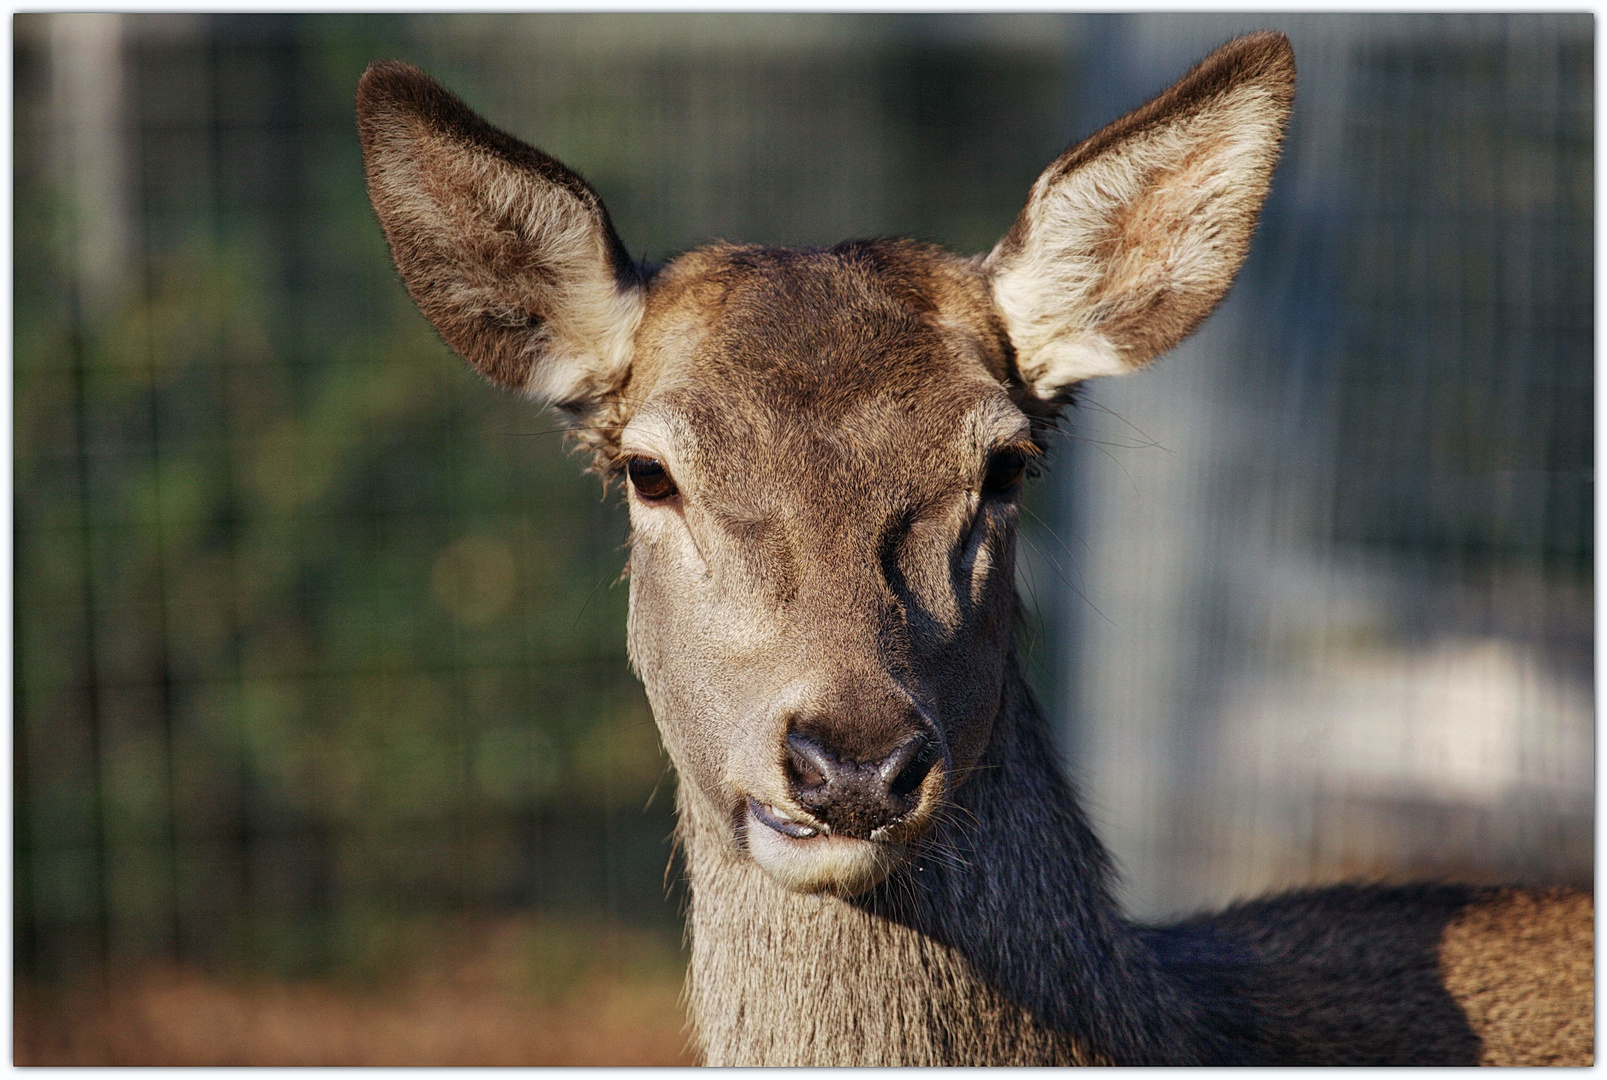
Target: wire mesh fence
x=319, y=641
x=1339, y=622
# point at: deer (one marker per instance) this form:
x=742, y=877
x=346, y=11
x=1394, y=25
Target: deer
x=823, y=452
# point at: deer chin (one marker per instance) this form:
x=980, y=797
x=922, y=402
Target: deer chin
x=804, y=860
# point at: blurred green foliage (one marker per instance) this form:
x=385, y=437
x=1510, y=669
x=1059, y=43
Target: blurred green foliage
x=311, y=625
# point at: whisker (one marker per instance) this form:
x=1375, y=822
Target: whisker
x=1149, y=441
x=534, y=434
x=1073, y=586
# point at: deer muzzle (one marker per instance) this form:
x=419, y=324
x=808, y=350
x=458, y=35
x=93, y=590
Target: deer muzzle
x=854, y=808
x=858, y=798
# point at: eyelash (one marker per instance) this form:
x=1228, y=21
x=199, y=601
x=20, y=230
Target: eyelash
x=1006, y=470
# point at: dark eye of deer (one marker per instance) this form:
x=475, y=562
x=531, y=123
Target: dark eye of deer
x=650, y=479
x=1005, y=469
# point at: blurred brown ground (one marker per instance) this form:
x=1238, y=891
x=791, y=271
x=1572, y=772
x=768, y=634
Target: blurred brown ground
x=512, y=992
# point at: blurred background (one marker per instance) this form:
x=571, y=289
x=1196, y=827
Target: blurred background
x=326, y=750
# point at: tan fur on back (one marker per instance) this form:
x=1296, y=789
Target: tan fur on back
x=1521, y=966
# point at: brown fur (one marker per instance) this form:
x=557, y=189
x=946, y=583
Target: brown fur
x=835, y=564
x=508, y=252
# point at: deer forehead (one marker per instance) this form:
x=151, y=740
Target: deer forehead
x=819, y=366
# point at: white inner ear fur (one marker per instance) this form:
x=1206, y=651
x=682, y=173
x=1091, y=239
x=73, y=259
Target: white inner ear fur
x=589, y=356
x=1166, y=210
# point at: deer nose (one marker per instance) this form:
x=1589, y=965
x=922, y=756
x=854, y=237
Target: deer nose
x=855, y=798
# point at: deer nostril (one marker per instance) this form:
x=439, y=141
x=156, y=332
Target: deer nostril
x=906, y=767
x=809, y=762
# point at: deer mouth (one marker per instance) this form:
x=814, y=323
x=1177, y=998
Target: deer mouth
x=810, y=858
x=768, y=816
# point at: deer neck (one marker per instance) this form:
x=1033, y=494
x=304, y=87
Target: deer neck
x=1001, y=946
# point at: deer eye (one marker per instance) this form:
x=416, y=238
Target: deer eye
x=1005, y=470
x=650, y=479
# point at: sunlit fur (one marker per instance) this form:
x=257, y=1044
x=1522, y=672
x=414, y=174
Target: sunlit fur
x=1131, y=237
x=831, y=554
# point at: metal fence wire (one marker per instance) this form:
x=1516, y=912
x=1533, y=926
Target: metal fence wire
x=319, y=641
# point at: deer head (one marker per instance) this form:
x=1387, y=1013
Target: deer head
x=824, y=449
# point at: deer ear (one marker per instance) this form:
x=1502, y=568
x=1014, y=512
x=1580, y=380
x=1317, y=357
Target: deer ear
x=506, y=251
x=1133, y=235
